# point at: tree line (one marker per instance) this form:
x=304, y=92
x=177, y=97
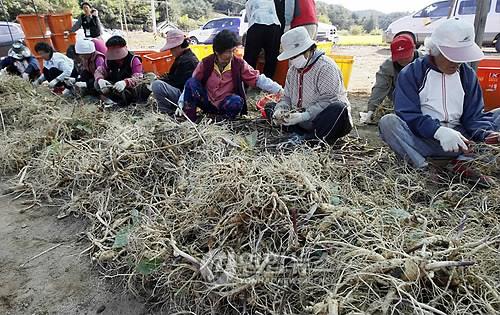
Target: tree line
x=187, y=14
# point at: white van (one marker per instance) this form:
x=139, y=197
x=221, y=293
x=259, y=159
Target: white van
x=422, y=23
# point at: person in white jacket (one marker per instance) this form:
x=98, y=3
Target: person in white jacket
x=56, y=67
x=315, y=102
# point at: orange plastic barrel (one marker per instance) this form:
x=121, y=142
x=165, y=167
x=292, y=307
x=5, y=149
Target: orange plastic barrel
x=33, y=25
x=488, y=73
x=63, y=41
x=60, y=23
x=280, y=72
x=32, y=41
x=162, y=61
x=147, y=65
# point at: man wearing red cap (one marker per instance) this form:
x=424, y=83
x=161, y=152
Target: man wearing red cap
x=168, y=89
x=403, y=52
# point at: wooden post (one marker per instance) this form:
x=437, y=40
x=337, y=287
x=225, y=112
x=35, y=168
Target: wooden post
x=153, y=15
x=482, y=10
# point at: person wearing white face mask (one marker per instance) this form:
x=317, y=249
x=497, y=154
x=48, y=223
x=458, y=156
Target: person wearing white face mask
x=315, y=104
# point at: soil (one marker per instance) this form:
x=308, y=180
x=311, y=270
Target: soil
x=60, y=281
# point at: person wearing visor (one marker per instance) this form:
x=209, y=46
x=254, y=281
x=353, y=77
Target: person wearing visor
x=403, y=52
x=120, y=79
x=57, y=68
x=439, y=105
x=20, y=62
x=315, y=104
x=168, y=88
x=217, y=86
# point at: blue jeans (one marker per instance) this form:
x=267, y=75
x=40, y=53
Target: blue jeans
x=396, y=133
x=196, y=96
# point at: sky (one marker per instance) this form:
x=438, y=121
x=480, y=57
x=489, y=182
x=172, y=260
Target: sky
x=386, y=6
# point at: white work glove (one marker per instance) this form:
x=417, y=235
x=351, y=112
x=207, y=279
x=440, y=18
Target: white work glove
x=296, y=118
x=451, y=140
x=70, y=81
x=25, y=76
x=366, y=118
x=3, y=72
x=53, y=83
x=81, y=84
x=179, y=112
x=279, y=116
x=120, y=86
x=103, y=84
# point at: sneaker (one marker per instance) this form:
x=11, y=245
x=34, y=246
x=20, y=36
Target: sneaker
x=470, y=174
x=67, y=93
x=108, y=103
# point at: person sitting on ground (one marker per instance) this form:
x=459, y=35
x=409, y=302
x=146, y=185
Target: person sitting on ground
x=439, y=104
x=315, y=103
x=20, y=62
x=89, y=21
x=403, y=52
x=57, y=68
x=88, y=59
x=120, y=79
x=217, y=85
x=168, y=88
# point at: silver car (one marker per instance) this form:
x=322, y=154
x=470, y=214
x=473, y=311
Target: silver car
x=9, y=33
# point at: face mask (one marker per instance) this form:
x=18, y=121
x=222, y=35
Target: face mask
x=299, y=62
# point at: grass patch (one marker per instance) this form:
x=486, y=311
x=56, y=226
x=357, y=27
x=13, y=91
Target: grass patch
x=361, y=40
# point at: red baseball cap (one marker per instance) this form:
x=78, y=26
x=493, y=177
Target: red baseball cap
x=402, y=47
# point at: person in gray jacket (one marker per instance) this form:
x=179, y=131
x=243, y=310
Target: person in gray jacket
x=403, y=52
x=315, y=104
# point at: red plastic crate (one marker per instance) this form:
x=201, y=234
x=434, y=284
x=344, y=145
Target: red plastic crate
x=488, y=73
x=147, y=65
x=162, y=61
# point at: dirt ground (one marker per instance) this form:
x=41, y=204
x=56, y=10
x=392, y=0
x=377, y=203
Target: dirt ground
x=62, y=281
x=59, y=281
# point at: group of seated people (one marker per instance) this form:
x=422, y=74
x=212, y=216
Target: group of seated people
x=110, y=72
x=438, y=103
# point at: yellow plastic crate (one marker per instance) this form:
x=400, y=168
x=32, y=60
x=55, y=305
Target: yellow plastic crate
x=201, y=51
x=345, y=64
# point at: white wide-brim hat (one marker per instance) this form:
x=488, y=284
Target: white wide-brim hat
x=295, y=42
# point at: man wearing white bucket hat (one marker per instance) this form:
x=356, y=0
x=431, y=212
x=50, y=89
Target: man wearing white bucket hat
x=439, y=105
x=168, y=88
x=315, y=103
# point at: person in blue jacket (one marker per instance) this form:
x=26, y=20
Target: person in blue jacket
x=439, y=105
x=20, y=62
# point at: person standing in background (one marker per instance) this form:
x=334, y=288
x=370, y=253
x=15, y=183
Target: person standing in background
x=301, y=13
x=264, y=32
x=89, y=21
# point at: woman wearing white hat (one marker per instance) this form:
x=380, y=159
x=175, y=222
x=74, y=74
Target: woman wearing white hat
x=20, y=62
x=168, y=88
x=88, y=59
x=315, y=103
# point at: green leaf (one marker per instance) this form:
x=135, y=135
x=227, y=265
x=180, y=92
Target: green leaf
x=251, y=140
x=147, y=266
x=135, y=217
x=121, y=239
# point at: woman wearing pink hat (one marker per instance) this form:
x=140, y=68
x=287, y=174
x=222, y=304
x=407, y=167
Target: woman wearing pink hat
x=168, y=88
x=119, y=79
